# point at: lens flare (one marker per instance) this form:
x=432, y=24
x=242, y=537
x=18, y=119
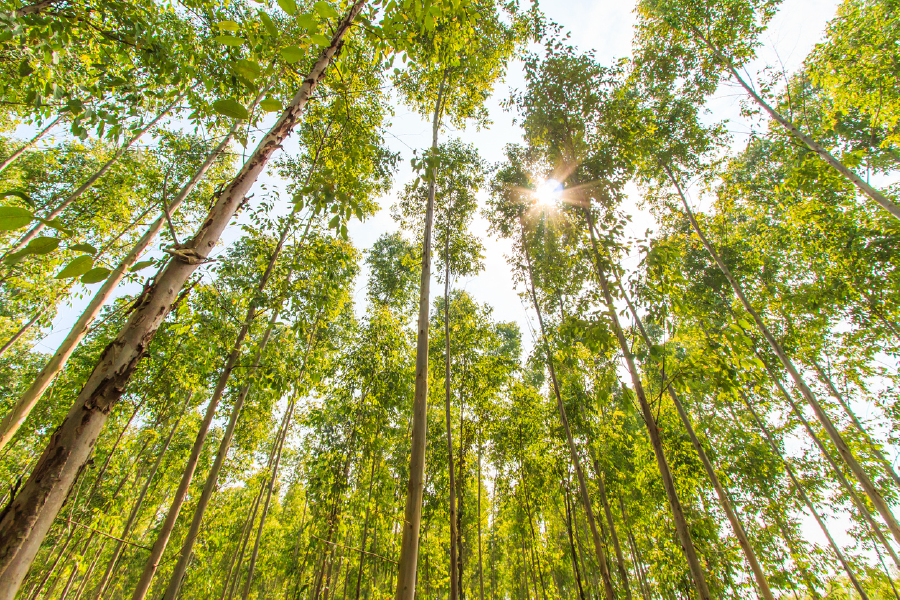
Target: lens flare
x=548, y=192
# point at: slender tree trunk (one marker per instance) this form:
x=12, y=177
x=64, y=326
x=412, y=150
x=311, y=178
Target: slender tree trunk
x=213, y=475
x=843, y=449
x=574, y=553
x=480, y=562
x=26, y=520
x=409, y=543
x=126, y=530
x=534, y=564
x=454, y=532
x=795, y=554
x=573, y=451
x=89, y=183
x=724, y=500
x=810, y=143
x=262, y=519
x=604, y=499
x=802, y=493
x=14, y=419
x=22, y=330
x=237, y=559
x=21, y=149
x=362, y=543
x=876, y=450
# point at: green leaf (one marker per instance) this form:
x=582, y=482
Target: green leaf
x=307, y=21
x=270, y=105
x=42, y=245
x=228, y=26
x=13, y=217
x=291, y=54
x=248, y=69
x=229, y=40
x=321, y=40
x=25, y=69
x=268, y=23
x=15, y=257
x=95, y=275
x=140, y=265
x=230, y=108
x=18, y=194
x=77, y=267
x=326, y=10
x=57, y=225
x=334, y=222
x=86, y=248
x=288, y=6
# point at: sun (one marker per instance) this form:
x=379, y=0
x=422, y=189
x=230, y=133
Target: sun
x=548, y=192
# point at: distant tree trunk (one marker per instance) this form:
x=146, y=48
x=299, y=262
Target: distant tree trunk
x=480, y=562
x=126, y=530
x=409, y=543
x=17, y=415
x=25, y=521
x=620, y=559
x=454, y=532
x=237, y=559
x=832, y=431
x=89, y=183
x=362, y=543
x=574, y=553
x=535, y=566
x=635, y=553
x=876, y=450
x=573, y=451
x=802, y=493
x=21, y=149
x=22, y=330
x=681, y=525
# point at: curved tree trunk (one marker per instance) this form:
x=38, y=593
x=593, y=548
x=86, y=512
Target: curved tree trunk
x=26, y=520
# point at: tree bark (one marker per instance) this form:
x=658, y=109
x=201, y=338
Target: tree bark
x=480, y=562
x=26, y=520
x=604, y=499
x=681, y=526
x=573, y=451
x=636, y=555
x=409, y=543
x=802, y=493
x=362, y=543
x=21, y=149
x=832, y=431
x=454, y=533
x=574, y=553
x=20, y=411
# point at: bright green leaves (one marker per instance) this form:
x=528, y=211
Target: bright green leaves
x=307, y=21
x=95, y=275
x=291, y=54
x=231, y=108
x=248, y=69
x=270, y=105
x=77, y=267
x=140, y=265
x=13, y=217
x=268, y=23
x=38, y=246
x=86, y=248
x=321, y=40
x=325, y=10
x=230, y=40
x=288, y=6
x=231, y=26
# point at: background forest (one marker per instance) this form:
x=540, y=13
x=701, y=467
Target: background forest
x=240, y=358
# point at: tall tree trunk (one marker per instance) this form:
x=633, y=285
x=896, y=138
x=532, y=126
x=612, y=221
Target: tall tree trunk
x=409, y=543
x=126, y=530
x=21, y=149
x=876, y=449
x=573, y=451
x=796, y=554
x=480, y=562
x=810, y=143
x=843, y=449
x=681, y=526
x=604, y=499
x=574, y=553
x=454, y=532
x=14, y=419
x=262, y=519
x=237, y=559
x=362, y=543
x=802, y=493
x=743, y=539
x=89, y=183
x=26, y=520
x=635, y=553
x=535, y=566
x=15, y=338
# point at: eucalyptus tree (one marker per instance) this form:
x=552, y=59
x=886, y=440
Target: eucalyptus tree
x=456, y=60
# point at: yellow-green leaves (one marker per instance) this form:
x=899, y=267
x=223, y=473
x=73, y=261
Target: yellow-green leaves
x=39, y=245
x=225, y=38
x=95, y=275
x=13, y=217
x=325, y=10
x=291, y=54
x=231, y=26
x=230, y=108
x=229, y=40
x=270, y=105
x=248, y=69
x=140, y=265
x=86, y=248
x=268, y=23
x=288, y=6
x=321, y=40
x=307, y=21
x=77, y=267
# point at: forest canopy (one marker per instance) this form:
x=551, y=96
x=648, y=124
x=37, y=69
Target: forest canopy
x=211, y=388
